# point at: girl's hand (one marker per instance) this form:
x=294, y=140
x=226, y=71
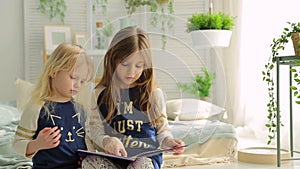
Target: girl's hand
x=113, y=145
x=171, y=142
x=48, y=138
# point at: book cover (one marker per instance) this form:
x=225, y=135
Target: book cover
x=132, y=158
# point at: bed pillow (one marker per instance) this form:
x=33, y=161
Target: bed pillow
x=23, y=90
x=192, y=109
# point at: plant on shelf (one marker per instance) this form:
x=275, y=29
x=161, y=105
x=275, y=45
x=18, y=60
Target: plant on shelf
x=209, y=23
x=277, y=45
x=200, y=86
x=53, y=8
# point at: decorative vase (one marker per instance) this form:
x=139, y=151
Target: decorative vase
x=211, y=38
x=296, y=42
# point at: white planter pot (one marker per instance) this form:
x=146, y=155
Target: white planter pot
x=211, y=38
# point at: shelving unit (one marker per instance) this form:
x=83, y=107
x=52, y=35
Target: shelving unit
x=289, y=61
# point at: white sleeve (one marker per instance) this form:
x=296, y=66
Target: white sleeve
x=163, y=128
x=26, y=129
x=95, y=132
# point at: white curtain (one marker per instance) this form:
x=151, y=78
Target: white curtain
x=257, y=23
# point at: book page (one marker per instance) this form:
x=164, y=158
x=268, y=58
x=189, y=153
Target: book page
x=132, y=158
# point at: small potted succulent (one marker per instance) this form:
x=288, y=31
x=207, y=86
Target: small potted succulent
x=210, y=29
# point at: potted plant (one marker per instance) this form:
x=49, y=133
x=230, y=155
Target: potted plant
x=210, y=29
x=200, y=86
x=278, y=44
x=53, y=8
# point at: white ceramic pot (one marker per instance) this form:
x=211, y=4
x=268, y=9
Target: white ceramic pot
x=211, y=38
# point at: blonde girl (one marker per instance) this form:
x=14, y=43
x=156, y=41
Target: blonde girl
x=131, y=105
x=51, y=128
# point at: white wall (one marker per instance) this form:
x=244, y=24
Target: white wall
x=11, y=47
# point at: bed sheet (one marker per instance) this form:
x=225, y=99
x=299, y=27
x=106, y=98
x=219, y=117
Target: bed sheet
x=9, y=119
x=209, y=142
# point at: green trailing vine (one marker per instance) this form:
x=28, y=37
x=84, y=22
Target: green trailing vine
x=166, y=22
x=165, y=19
x=277, y=46
x=53, y=8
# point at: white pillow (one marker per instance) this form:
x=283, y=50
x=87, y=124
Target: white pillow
x=192, y=109
x=23, y=90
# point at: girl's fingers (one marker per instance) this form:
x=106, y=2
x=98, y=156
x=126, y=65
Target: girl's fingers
x=123, y=152
x=55, y=133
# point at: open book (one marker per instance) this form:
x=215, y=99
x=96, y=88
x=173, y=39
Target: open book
x=132, y=158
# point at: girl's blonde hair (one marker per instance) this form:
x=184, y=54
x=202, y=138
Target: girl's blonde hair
x=126, y=42
x=64, y=58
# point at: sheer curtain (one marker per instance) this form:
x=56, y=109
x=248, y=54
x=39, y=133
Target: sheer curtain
x=257, y=23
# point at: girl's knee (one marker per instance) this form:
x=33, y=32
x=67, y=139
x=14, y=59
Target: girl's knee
x=141, y=163
x=97, y=162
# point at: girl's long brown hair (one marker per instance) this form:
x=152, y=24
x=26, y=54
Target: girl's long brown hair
x=126, y=42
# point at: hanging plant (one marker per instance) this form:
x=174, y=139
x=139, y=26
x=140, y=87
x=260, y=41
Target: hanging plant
x=166, y=21
x=132, y=5
x=277, y=46
x=102, y=4
x=53, y=8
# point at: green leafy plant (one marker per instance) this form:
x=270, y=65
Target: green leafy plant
x=53, y=8
x=277, y=45
x=108, y=29
x=210, y=21
x=201, y=85
x=132, y=5
x=154, y=5
x=102, y=4
x=165, y=19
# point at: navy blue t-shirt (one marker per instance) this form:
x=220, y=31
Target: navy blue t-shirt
x=131, y=125
x=70, y=122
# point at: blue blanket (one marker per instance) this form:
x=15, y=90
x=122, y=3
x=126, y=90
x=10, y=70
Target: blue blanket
x=199, y=131
x=9, y=119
